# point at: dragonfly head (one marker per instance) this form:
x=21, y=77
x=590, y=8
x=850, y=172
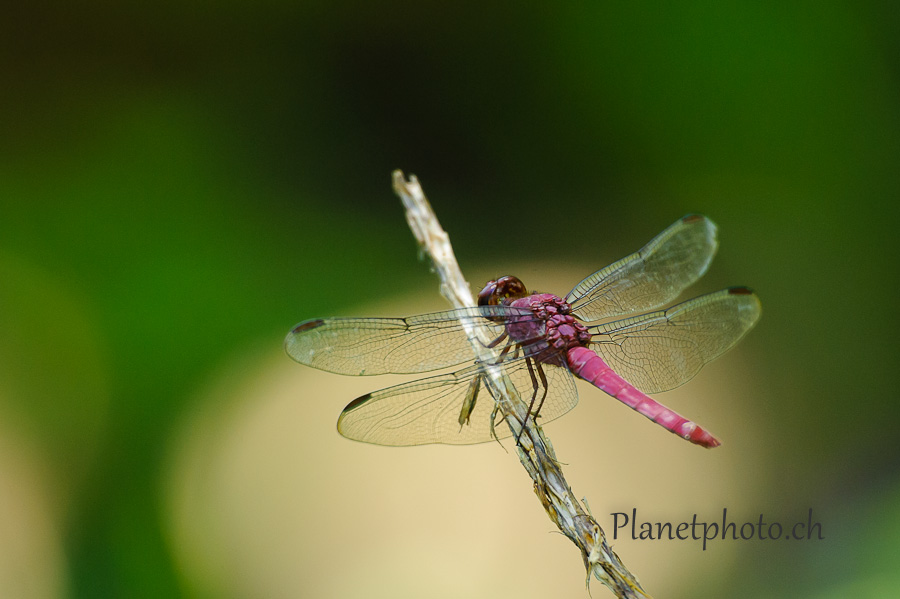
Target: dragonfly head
x=504, y=288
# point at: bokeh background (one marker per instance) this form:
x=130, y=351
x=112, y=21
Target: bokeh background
x=181, y=182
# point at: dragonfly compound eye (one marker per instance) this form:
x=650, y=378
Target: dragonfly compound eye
x=487, y=296
x=510, y=287
x=504, y=288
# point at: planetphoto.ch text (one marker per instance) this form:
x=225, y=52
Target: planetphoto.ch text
x=723, y=528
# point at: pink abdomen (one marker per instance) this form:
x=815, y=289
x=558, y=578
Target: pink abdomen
x=589, y=366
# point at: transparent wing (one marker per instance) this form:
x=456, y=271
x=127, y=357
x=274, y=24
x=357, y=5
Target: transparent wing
x=428, y=410
x=659, y=351
x=651, y=277
x=359, y=346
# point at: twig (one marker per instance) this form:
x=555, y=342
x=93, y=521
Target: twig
x=534, y=449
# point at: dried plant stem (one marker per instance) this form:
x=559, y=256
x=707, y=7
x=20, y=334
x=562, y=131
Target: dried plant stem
x=535, y=451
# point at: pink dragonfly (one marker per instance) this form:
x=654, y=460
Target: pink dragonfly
x=542, y=341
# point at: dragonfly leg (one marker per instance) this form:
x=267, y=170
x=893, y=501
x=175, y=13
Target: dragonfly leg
x=534, y=386
x=503, y=353
x=500, y=358
x=544, y=384
x=498, y=340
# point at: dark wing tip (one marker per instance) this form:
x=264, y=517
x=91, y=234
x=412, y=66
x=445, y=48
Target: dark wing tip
x=356, y=403
x=308, y=325
x=740, y=291
x=692, y=218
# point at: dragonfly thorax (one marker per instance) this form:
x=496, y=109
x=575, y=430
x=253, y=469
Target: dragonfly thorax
x=561, y=329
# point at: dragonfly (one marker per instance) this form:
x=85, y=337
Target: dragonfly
x=542, y=341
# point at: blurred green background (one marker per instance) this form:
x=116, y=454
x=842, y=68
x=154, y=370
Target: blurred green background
x=181, y=182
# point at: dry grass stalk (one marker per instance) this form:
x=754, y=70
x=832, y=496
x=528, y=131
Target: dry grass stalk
x=534, y=449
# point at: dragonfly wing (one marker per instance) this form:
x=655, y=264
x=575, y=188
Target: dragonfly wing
x=359, y=346
x=659, y=351
x=428, y=410
x=651, y=277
